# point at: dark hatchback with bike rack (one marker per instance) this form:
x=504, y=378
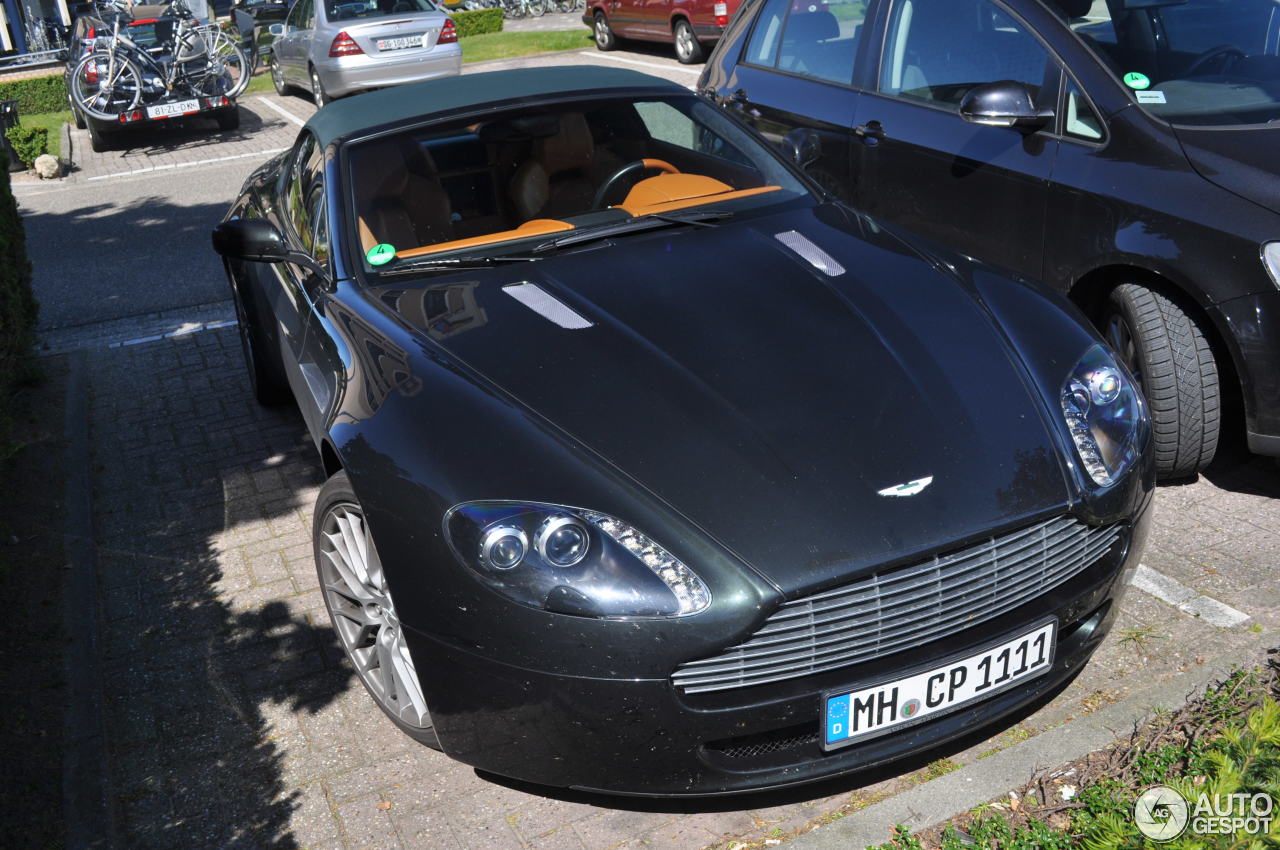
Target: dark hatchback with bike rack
x=155, y=32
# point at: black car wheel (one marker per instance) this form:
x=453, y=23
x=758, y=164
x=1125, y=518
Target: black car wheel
x=605, y=39
x=266, y=372
x=1169, y=355
x=228, y=119
x=277, y=77
x=99, y=141
x=688, y=48
x=364, y=617
x=76, y=114
x=318, y=94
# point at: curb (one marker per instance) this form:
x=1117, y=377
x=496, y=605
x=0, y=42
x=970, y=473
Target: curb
x=66, y=159
x=943, y=798
x=85, y=792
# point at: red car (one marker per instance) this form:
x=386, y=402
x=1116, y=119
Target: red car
x=692, y=26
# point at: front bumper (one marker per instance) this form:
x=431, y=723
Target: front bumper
x=347, y=74
x=644, y=737
x=1253, y=322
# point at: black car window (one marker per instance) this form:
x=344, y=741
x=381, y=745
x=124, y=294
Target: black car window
x=345, y=10
x=305, y=175
x=817, y=40
x=936, y=50
x=1079, y=119
x=295, y=14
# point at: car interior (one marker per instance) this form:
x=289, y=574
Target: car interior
x=514, y=176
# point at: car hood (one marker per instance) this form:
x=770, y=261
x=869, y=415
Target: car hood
x=815, y=425
x=1239, y=160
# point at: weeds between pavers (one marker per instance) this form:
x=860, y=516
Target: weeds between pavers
x=1226, y=741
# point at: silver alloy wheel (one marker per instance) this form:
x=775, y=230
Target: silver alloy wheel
x=317, y=90
x=684, y=42
x=604, y=38
x=364, y=616
x=277, y=75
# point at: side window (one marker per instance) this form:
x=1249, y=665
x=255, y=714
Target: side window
x=1080, y=120
x=667, y=124
x=304, y=194
x=813, y=39
x=936, y=50
x=295, y=14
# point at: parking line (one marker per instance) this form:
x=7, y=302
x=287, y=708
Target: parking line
x=184, y=330
x=172, y=166
x=278, y=108
x=1185, y=599
x=646, y=64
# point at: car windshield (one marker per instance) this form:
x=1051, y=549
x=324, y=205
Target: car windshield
x=524, y=178
x=1201, y=62
x=348, y=10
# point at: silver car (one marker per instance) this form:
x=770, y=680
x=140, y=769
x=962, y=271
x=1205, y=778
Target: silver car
x=337, y=47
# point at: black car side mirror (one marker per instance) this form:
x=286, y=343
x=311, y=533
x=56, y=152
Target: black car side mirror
x=803, y=146
x=257, y=240
x=1003, y=104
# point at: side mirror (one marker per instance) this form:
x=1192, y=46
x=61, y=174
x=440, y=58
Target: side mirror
x=1003, y=104
x=252, y=239
x=276, y=30
x=803, y=146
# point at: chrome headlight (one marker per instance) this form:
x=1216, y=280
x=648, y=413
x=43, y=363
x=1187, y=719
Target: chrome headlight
x=1271, y=261
x=1105, y=415
x=572, y=561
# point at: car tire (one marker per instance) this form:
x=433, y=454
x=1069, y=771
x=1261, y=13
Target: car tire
x=361, y=610
x=79, y=118
x=1172, y=360
x=99, y=142
x=277, y=77
x=318, y=95
x=261, y=359
x=688, y=49
x=228, y=119
x=603, y=33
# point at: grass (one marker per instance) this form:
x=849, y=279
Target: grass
x=51, y=120
x=505, y=45
x=1141, y=637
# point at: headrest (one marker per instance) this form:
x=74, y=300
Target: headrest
x=570, y=148
x=1074, y=8
x=383, y=167
x=812, y=27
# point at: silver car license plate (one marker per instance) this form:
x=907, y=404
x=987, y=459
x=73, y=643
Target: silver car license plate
x=399, y=42
x=852, y=716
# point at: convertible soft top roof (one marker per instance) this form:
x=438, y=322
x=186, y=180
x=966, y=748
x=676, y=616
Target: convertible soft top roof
x=445, y=94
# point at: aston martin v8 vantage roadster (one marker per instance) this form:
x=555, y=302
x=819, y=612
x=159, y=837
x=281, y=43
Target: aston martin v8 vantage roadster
x=653, y=469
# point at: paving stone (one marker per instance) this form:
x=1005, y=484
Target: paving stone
x=365, y=824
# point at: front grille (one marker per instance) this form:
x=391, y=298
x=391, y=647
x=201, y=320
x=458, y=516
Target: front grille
x=903, y=607
x=767, y=743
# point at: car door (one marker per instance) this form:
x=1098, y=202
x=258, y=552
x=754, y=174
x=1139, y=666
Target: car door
x=293, y=288
x=626, y=16
x=979, y=190
x=797, y=72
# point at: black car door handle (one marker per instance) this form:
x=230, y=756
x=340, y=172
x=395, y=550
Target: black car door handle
x=871, y=132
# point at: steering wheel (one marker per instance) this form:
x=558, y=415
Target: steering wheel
x=638, y=165
x=1219, y=52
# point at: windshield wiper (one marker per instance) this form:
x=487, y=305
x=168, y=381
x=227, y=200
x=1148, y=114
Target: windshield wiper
x=652, y=221
x=459, y=263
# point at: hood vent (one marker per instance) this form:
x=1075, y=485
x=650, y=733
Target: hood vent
x=815, y=256
x=547, y=306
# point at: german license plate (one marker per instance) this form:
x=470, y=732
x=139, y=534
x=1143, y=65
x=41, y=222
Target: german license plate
x=852, y=716
x=166, y=110
x=400, y=42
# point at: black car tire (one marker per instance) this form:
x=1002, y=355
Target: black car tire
x=1171, y=358
x=99, y=142
x=263, y=362
x=318, y=95
x=688, y=49
x=277, y=77
x=228, y=119
x=603, y=33
x=79, y=118
x=337, y=495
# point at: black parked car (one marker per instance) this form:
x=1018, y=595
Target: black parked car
x=685, y=480
x=1123, y=151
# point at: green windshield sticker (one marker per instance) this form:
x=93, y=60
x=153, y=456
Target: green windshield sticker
x=1134, y=80
x=380, y=254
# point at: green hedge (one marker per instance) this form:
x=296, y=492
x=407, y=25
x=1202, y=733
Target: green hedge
x=28, y=142
x=36, y=94
x=478, y=22
x=17, y=304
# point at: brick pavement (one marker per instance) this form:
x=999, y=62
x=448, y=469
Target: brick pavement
x=233, y=720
